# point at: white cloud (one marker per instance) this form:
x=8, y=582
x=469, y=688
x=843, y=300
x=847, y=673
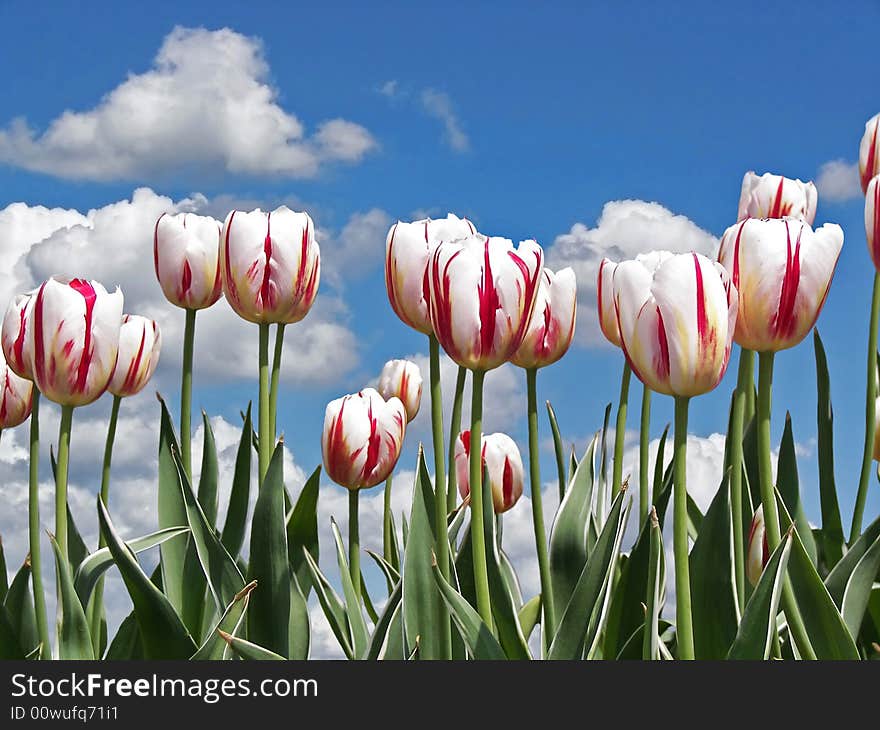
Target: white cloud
x=356, y=250
x=389, y=88
x=206, y=104
x=838, y=181
x=625, y=229
x=438, y=104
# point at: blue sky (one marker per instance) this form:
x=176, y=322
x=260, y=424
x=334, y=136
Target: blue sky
x=540, y=116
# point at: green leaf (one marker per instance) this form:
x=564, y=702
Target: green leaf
x=10, y=649
x=302, y=530
x=76, y=546
x=236, y=513
x=209, y=476
x=300, y=629
x=788, y=484
x=96, y=564
x=599, y=507
x=530, y=615
x=477, y=636
x=654, y=592
x=356, y=623
x=20, y=606
x=127, y=644
x=754, y=638
x=658, y=466
x=331, y=604
x=4, y=586
x=74, y=639
x=852, y=579
x=511, y=580
x=558, y=448
x=633, y=647
x=269, y=612
x=388, y=623
x=163, y=634
x=578, y=628
x=391, y=574
x=248, y=650
x=695, y=518
x=232, y=620
x=568, y=536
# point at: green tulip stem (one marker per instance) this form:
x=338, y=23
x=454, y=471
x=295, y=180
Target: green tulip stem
x=475, y=480
x=745, y=383
x=34, y=530
x=684, y=631
x=354, y=548
x=620, y=429
x=189, y=334
x=276, y=375
x=387, y=532
x=61, y=479
x=266, y=440
x=454, y=430
x=644, y=441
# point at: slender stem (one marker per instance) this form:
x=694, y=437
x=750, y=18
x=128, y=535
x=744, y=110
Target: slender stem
x=768, y=499
x=442, y=544
x=644, y=440
x=870, y=415
x=266, y=440
x=560, y=456
x=454, y=430
x=620, y=430
x=34, y=531
x=276, y=375
x=475, y=482
x=387, y=534
x=98, y=595
x=745, y=382
x=189, y=334
x=354, y=549
x=549, y=609
x=684, y=631
x=61, y=479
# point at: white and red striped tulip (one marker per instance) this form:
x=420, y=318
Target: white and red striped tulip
x=402, y=379
x=75, y=340
x=408, y=249
x=17, y=397
x=186, y=256
x=782, y=270
x=15, y=337
x=677, y=314
x=872, y=219
x=362, y=437
x=551, y=327
x=757, y=550
x=271, y=265
x=869, y=151
x=775, y=196
x=140, y=342
x=483, y=293
x=605, y=302
x=501, y=461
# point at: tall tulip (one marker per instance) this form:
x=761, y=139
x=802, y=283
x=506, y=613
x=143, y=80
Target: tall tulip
x=186, y=255
x=482, y=295
x=676, y=328
x=869, y=152
x=776, y=196
x=271, y=268
x=502, y=462
x=361, y=442
x=548, y=337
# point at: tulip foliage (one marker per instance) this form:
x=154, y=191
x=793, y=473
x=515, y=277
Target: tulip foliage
x=753, y=578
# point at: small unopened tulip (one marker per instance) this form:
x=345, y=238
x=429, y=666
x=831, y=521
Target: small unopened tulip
x=16, y=398
x=408, y=249
x=869, y=151
x=501, y=461
x=75, y=340
x=140, y=342
x=775, y=196
x=782, y=270
x=551, y=327
x=758, y=552
x=271, y=265
x=16, y=338
x=186, y=255
x=402, y=379
x=677, y=315
x=362, y=437
x=483, y=293
x=872, y=219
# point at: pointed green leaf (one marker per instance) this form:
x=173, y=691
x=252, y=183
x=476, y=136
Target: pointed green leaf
x=331, y=604
x=236, y=513
x=232, y=621
x=76, y=546
x=10, y=649
x=74, y=639
x=654, y=592
x=172, y=512
x=385, y=624
x=852, y=579
x=248, y=650
x=300, y=627
x=4, y=586
x=20, y=607
x=209, y=475
x=788, y=484
x=356, y=623
x=302, y=530
x=127, y=644
x=530, y=615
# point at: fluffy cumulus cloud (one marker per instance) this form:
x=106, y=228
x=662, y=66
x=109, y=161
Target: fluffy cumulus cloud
x=438, y=104
x=205, y=104
x=625, y=228
x=838, y=181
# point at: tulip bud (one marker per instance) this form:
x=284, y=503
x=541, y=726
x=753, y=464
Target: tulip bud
x=869, y=151
x=605, y=302
x=677, y=315
x=362, y=438
x=402, y=379
x=551, y=327
x=872, y=219
x=775, y=196
x=139, y=344
x=758, y=552
x=75, y=340
x=408, y=250
x=16, y=339
x=271, y=265
x=782, y=270
x=501, y=461
x=16, y=398
x=186, y=254
x=483, y=294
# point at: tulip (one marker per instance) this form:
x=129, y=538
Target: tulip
x=15, y=338
x=758, y=550
x=503, y=464
x=775, y=196
x=869, y=151
x=551, y=328
x=139, y=344
x=605, y=302
x=186, y=256
x=16, y=399
x=402, y=379
x=872, y=219
x=782, y=269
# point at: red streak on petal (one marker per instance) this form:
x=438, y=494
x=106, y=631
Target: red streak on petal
x=784, y=321
x=704, y=336
x=156, y=244
x=869, y=170
x=529, y=288
x=185, y=281
x=231, y=289
x=426, y=230
x=374, y=444
x=489, y=304
x=776, y=207
x=632, y=364
x=661, y=359
x=337, y=460
x=87, y=291
x=134, y=367
x=441, y=305
x=18, y=345
x=39, y=345
x=303, y=263
x=266, y=286
x=507, y=483
x=465, y=438
x=3, y=405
